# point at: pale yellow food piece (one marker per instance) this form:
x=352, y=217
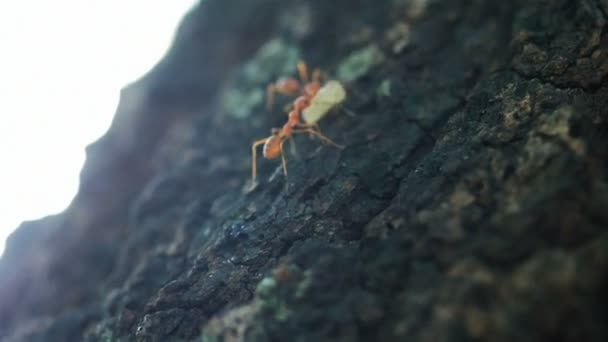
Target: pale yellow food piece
x=329, y=96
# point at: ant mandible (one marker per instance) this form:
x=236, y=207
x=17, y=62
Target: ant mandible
x=273, y=145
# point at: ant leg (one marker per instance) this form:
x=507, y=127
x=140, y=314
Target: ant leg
x=303, y=72
x=292, y=146
x=254, y=147
x=316, y=75
x=318, y=135
x=285, y=86
x=284, y=162
x=314, y=126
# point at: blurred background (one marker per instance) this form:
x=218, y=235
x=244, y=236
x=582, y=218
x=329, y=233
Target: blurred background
x=62, y=66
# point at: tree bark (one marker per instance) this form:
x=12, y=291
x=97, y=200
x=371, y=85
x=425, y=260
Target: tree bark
x=469, y=202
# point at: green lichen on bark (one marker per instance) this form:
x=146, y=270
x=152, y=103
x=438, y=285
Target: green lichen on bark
x=468, y=204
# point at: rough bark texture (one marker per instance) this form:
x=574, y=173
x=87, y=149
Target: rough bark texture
x=470, y=202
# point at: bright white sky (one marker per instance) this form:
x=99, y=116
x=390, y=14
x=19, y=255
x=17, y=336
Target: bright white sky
x=62, y=65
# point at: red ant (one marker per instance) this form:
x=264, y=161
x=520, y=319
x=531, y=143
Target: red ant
x=273, y=145
x=290, y=86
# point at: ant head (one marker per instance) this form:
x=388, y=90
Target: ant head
x=312, y=88
x=287, y=85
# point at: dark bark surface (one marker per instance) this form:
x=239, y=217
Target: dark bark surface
x=470, y=202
